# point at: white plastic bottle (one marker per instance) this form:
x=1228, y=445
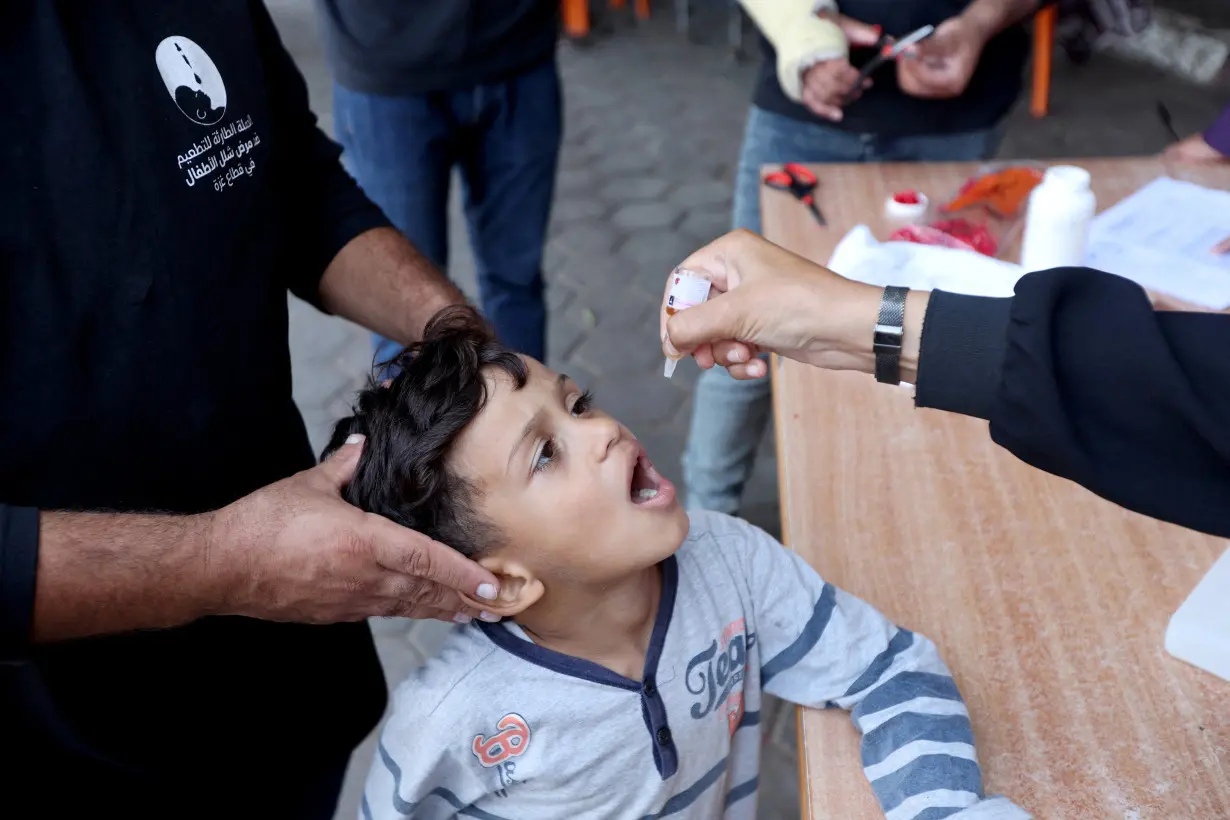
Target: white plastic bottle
x=1057, y=222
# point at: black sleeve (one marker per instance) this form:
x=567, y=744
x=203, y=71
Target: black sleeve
x=324, y=207
x=1080, y=377
x=18, y=565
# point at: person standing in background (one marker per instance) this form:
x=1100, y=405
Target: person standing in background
x=944, y=102
x=421, y=88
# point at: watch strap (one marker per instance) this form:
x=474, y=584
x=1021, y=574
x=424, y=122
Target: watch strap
x=890, y=330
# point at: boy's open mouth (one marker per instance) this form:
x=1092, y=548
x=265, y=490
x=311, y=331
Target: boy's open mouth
x=648, y=488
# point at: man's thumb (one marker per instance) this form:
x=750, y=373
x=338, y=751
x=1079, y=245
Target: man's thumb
x=714, y=321
x=340, y=466
x=858, y=33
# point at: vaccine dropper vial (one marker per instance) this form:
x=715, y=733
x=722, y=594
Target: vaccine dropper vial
x=688, y=289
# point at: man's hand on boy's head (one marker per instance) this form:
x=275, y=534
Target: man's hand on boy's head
x=296, y=551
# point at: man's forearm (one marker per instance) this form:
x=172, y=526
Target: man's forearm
x=100, y=573
x=380, y=281
x=993, y=16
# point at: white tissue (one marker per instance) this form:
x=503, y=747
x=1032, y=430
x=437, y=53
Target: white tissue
x=861, y=257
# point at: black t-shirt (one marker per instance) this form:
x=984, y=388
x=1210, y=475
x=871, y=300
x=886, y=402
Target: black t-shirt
x=884, y=109
x=162, y=186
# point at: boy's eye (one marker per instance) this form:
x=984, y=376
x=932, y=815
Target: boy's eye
x=548, y=454
x=545, y=456
x=583, y=404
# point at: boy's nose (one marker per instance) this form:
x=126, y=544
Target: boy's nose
x=605, y=433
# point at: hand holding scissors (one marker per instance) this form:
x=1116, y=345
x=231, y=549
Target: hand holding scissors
x=888, y=49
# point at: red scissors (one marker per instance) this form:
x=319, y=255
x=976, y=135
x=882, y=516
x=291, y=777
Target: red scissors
x=799, y=181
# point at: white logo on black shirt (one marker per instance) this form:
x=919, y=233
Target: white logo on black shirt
x=222, y=157
x=192, y=80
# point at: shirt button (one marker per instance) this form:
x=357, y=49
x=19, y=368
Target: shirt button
x=664, y=736
x=649, y=689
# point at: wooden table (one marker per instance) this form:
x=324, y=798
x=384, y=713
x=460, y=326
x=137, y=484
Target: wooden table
x=1049, y=604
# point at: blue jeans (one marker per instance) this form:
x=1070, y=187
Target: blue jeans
x=729, y=417
x=505, y=138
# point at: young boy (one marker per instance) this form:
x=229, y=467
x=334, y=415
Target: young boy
x=620, y=672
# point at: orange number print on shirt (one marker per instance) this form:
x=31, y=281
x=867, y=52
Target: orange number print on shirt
x=511, y=740
x=734, y=711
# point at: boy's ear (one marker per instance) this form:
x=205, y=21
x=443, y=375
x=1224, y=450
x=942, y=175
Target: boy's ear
x=519, y=587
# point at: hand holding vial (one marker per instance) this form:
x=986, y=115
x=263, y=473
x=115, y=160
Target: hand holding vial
x=763, y=298
x=686, y=289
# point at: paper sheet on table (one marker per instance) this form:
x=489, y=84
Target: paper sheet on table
x=1161, y=237
x=861, y=257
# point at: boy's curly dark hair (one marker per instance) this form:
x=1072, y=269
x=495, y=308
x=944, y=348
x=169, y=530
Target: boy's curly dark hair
x=411, y=424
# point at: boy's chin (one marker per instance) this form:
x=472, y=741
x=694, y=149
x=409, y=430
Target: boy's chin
x=666, y=531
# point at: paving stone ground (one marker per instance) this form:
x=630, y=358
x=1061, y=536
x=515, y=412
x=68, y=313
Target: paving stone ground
x=653, y=125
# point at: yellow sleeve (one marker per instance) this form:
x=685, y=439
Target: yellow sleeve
x=800, y=38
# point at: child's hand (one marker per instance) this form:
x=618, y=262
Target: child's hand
x=296, y=551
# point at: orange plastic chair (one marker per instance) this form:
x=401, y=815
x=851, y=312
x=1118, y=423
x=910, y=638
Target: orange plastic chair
x=575, y=17
x=575, y=14
x=640, y=7
x=1044, y=51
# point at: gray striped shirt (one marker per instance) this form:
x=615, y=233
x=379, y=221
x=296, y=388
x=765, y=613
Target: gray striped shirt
x=498, y=728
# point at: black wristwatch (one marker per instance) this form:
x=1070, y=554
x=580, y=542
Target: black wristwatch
x=890, y=329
